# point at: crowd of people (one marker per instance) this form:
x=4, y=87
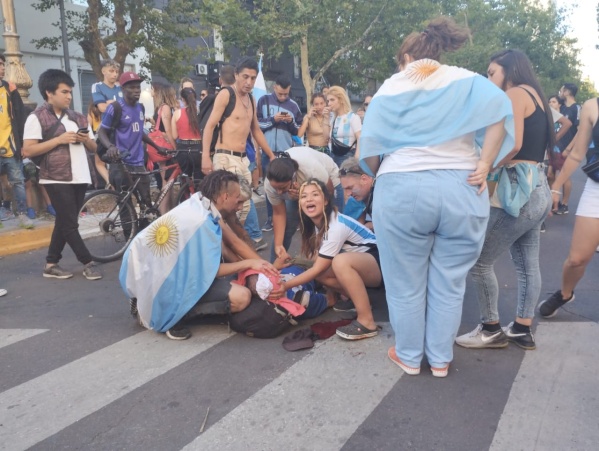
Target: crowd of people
x=448, y=168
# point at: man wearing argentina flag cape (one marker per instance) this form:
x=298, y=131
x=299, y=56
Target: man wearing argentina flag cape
x=173, y=268
x=431, y=135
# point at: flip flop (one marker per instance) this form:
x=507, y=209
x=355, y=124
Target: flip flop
x=356, y=331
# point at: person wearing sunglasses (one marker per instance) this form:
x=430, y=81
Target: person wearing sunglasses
x=357, y=190
x=362, y=110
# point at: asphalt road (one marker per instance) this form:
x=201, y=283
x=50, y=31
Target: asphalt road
x=78, y=373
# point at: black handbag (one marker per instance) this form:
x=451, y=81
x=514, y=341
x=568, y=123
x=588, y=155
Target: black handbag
x=591, y=169
x=337, y=147
x=261, y=319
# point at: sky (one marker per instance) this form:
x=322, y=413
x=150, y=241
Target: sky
x=583, y=22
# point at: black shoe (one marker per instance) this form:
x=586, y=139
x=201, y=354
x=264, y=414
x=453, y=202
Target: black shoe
x=543, y=229
x=548, y=308
x=344, y=306
x=178, y=333
x=525, y=340
x=562, y=209
x=267, y=227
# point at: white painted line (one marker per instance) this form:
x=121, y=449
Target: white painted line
x=318, y=403
x=12, y=336
x=41, y=407
x=554, y=401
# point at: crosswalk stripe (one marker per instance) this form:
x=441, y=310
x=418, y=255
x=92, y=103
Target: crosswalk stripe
x=12, y=336
x=318, y=403
x=554, y=397
x=39, y=408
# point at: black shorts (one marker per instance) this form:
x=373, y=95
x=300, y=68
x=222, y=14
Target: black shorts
x=215, y=301
x=374, y=251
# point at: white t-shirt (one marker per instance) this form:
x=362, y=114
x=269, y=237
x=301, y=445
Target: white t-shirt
x=345, y=234
x=345, y=127
x=459, y=153
x=312, y=164
x=79, y=164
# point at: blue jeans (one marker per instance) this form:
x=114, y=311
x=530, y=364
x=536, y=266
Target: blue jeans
x=291, y=224
x=432, y=225
x=251, y=226
x=14, y=173
x=265, y=162
x=521, y=236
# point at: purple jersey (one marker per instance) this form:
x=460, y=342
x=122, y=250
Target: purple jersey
x=129, y=131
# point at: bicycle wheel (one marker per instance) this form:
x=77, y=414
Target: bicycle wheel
x=184, y=193
x=107, y=225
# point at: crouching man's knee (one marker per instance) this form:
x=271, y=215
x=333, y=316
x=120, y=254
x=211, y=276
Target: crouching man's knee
x=239, y=297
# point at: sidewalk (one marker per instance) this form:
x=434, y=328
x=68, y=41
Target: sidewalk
x=14, y=239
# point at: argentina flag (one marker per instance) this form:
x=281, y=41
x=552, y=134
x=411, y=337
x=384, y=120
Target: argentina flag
x=428, y=104
x=171, y=264
x=260, y=85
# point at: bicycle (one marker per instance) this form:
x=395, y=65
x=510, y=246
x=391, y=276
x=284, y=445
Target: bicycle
x=108, y=220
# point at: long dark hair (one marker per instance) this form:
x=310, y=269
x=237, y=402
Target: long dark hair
x=311, y=240
x=440, y=35
x=189, y=96
x=518, y=71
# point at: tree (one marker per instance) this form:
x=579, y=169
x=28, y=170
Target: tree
x=119, y=28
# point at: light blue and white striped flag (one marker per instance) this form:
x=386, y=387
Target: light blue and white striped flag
x=171, y=264
x=260, y=85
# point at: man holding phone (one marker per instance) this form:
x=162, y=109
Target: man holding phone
x=280, y=119
x=57, y=137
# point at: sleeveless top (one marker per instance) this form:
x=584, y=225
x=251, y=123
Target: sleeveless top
x=318, y=132
x=183, y=129
x=534, y=141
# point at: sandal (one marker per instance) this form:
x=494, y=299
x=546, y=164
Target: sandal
x=440, y=372
x=407, y=369
x=356, y=331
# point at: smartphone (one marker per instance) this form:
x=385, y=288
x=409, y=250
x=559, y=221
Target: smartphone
x=284, y=113
x=83, y=130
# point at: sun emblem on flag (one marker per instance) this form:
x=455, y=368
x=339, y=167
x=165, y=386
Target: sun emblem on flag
x=163, y=236
x=421, y=70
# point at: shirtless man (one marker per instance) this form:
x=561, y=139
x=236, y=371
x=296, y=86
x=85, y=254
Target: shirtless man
x=230, y=149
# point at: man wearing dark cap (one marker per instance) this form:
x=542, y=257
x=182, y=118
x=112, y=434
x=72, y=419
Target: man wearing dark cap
x=129, y=136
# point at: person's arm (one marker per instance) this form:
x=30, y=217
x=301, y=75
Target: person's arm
x=227, y=269
x=330, y=187
x=233, y=222
x=320, y=266
x=565, y=126
x=588, y=116
x=304, y=128
x=358, y=145
x=295, y=122
x=174, y=131
x=166, y=116
x=260, y=139
x=518, y=98
x=99, y=98
x=36, y=147
x=494, y=136
x=88, y=141
x=356, y=125
x=220, y=103
x=279, y=222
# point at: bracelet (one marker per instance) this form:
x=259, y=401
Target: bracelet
x=555, y=191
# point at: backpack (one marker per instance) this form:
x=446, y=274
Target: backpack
x=206, y=108
x=261, y=319
x=116, y=118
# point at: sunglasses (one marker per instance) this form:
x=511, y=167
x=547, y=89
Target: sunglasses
x=366, y=103
x=344, y=172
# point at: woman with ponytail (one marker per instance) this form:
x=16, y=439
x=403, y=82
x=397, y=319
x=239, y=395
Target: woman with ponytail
x=186, y=132
x=430, y=199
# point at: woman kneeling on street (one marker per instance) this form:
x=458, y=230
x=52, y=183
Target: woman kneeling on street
x=344, y=253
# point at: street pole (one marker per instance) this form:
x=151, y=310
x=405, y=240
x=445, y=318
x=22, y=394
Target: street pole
x=15, y=68
x=65, y=40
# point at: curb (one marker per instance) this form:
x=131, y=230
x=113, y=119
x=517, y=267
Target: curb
x=23, y=240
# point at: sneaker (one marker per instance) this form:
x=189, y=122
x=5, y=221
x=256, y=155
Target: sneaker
x=543, y=228
x=267, y=227
x=90, y=272
x=57, y=272
x=548, y=308
x=24, y=221
x=3, y=292
x=6, y=214
x=480, y=338
x=525, y=340
x=344, y=305
x=260, y=245
x=50, y=210
x=133, y=306
x=178, y=333
x=30, y=213
x=562, y=209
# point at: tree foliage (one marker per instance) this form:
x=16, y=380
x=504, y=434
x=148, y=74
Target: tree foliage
x=119, y=28
x=350, y=42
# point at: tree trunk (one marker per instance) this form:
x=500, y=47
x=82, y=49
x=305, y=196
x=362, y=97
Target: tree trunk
x=309, y=83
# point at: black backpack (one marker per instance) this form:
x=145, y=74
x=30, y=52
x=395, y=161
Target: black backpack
x=261, y=319
x=206, y=107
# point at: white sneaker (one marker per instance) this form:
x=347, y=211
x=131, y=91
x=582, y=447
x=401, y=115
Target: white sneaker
x=480, y=338
x=3, y=292
x=24, y=221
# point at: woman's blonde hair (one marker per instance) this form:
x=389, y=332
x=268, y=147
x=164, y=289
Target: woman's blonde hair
x=164, y=95
x=341, y=95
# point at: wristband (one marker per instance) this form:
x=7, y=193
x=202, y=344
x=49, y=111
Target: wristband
x=555, y=191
